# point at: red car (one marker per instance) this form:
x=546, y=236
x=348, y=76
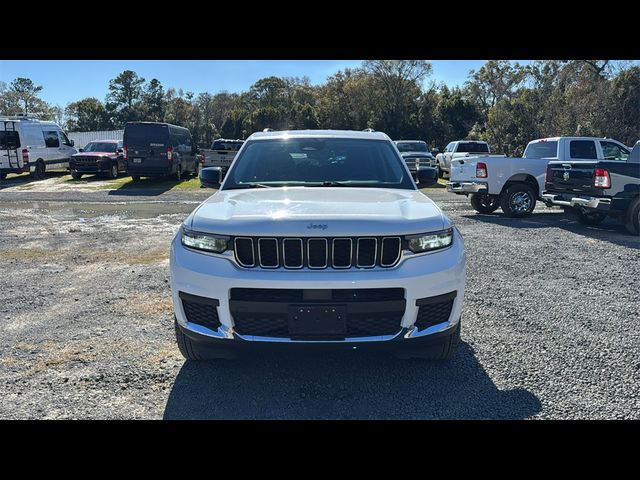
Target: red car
x=100, y=156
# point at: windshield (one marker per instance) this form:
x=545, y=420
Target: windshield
x=541, y=150
x=101, y=147
x=226, y=145
x=473, y=147
x=412, y=146
x=318, y=162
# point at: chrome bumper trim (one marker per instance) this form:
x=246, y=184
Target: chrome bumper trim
x=587, y=202
x=468, y=187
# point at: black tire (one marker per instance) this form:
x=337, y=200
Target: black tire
x=484, y=203
x=113, y=171
x=76, y=175
x=135, y=178
x=632, y=217
x=589, y=218
x=440, y=172
x=178, y=174
x=40, y=171
x=3, y=176
x=518, y=200
x=442, y=350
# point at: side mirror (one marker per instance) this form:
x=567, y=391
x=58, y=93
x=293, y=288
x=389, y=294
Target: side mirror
x=73, y=142
x=119, y=151
x=210, y=177
x=427, y=176
x=81, y=149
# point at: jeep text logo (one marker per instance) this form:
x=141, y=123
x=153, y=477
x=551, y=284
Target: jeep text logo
x=317, y=226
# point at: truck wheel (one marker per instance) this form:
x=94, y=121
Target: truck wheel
x=76, y=175
x=633, y=217
x=3, y=176
x=135, y=178
x=484, y=203
x=190, y=350
x=113, y=171
x=178, y=176
x=590, y=218
x=440, y=172
x=442, y=350
x=40, y=170
x=518, y=200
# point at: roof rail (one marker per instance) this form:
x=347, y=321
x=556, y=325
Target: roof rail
x=22, y=116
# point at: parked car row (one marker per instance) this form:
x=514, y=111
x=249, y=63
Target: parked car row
x=148, y=149
x=593, y=177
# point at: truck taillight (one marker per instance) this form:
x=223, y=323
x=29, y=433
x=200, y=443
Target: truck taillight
x=547, y=174
x=124, y=153
x=169, y=153
x=25, y=156
x=481, y=170
x=601, y=178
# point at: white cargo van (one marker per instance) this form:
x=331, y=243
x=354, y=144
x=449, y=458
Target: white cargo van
x=31, y=145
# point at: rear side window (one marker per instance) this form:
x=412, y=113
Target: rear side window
x=541, y=150
x=9, y=140
x=583, y=149
x=146, y=135
x=473, y=147
x=51, y=138
x=613, y=151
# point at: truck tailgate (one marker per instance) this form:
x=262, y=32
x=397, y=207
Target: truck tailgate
x=571, y=177
x=463, y=169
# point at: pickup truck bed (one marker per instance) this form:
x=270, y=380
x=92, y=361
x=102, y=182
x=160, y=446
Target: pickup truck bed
x=597, y=189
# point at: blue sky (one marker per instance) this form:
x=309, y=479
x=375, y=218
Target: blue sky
x=65, y=81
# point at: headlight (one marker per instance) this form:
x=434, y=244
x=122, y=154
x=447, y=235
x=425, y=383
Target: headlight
x=430, y=241
x=204, y=241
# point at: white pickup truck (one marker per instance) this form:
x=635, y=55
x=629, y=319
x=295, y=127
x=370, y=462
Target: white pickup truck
x=514, y=184
x=458, y=149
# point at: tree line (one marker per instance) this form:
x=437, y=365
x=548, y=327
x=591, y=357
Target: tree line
x=504, y=103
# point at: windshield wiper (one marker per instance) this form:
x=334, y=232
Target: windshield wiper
x=248, y=185
x=328, y=183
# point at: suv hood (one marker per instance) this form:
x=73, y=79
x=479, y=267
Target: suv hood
x=318, y=211
x=94, y=154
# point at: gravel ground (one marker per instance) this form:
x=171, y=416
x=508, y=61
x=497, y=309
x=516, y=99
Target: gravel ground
x=550, y=324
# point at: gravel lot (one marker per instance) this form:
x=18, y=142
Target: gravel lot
x=550, y=323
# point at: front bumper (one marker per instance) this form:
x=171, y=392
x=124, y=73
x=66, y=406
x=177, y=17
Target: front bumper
x=468, y=187
x=569, y=200
x=420, y=276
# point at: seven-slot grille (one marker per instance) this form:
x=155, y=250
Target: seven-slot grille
x=317, y=253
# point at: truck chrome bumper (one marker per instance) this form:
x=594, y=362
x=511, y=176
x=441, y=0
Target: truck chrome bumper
x=569, y=201
x=468, y=187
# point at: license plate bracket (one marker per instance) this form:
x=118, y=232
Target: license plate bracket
x=318, y=320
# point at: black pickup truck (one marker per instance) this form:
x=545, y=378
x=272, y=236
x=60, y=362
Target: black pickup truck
x=595, y=189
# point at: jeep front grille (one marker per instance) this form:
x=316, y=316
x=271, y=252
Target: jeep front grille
x=317, y=253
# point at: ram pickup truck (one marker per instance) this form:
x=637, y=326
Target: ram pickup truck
x=220, y=155
x=595, y=189
x=318, y=239
x=459, y=149
x=515, y=184
x=416, y=155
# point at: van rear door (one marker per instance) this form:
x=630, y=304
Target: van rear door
x=9, y=146
x=146, y=145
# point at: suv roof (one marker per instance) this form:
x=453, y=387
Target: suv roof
x=154, y=123
x=356, y=134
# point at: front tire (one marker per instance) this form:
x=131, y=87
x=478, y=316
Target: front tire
x=76, y=175
x=3, y=176
x=518, y=201
x=590, y=218
x=178, y=176
x=632, y=223
x=484, y=203
x=113, y=171
x=135, y=178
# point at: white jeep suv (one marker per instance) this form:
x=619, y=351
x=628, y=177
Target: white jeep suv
x=318, y=239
